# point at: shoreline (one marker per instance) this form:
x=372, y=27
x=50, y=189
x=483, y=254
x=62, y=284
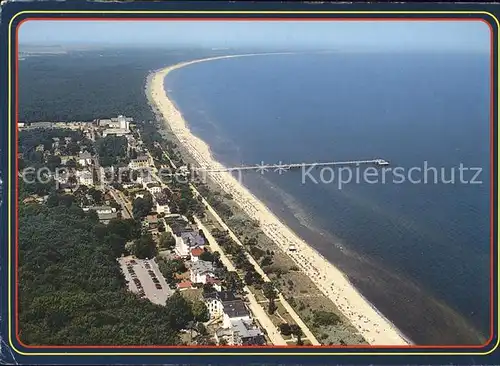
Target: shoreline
x=370, y=323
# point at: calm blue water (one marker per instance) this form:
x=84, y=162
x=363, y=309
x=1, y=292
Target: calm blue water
x=419, y=252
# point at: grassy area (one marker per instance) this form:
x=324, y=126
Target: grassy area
x=257, y=293
x=284, y=314
x=293, y=341
x=343, y=332
x=192, y=294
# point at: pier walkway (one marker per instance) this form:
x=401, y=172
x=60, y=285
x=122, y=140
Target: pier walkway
x=283, y=166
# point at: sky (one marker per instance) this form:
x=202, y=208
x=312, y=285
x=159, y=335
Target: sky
x=468, y=36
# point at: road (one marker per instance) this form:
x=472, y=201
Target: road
x=123, y=201
x=257, y=310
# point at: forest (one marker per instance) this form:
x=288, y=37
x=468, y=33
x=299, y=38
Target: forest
x=71, y=290
x=86, y=85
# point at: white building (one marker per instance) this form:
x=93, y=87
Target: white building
x=144, y=178
x=100, y=209
x=55, y=142
x=85, y=178
x=106, y=173
x=154, y=188
x=162, y=204
x=187, y=241
x=241, y=332
x=105, y=213
x=238, y=327
x=200, y=271
x=128, y=185
x=140, y=162
x=215, y=302
x=61, y=177
x=85, y=159
x=119, y=126
x=233, y=311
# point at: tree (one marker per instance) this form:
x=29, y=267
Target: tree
x=92, y=214
x=116, y=205
x=252, y=277
x=72, y=180
x=116, y=243
x=56, y=199
x=200, y=311
x=178, y=310
x=269, y=291
x=167, y=240
x=233, y=282
x=112, y=149
x=324, y=318
x=266, y=261
x=73, y=148
x=142, y=206
x=52, y=200
x=144, y=247
x=53, y=162
x=216, y=259
x=201, y=329
x=295, y=329
x=207, y=256
x=271, y=309
x=96, y=194
x=208, y=288
x=256, y=252
x=169, y=268
x=285, y=329
x=127, y=229
x=71, y=163
x=251, y=241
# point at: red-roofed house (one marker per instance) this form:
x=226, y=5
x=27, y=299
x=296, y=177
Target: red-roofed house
x=184, y=284
x=195, y=254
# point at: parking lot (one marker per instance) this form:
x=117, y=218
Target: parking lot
x=145, y=279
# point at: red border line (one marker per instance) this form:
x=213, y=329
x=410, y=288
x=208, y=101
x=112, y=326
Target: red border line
x=430, y=19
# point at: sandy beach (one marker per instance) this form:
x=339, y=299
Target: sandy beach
x=372, y=325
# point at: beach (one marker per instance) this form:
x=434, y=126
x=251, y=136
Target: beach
x=371, y=324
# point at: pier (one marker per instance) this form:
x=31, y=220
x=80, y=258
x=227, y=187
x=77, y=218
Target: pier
x=283, y=166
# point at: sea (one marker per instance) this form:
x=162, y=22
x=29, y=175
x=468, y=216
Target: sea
x=415, y=244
